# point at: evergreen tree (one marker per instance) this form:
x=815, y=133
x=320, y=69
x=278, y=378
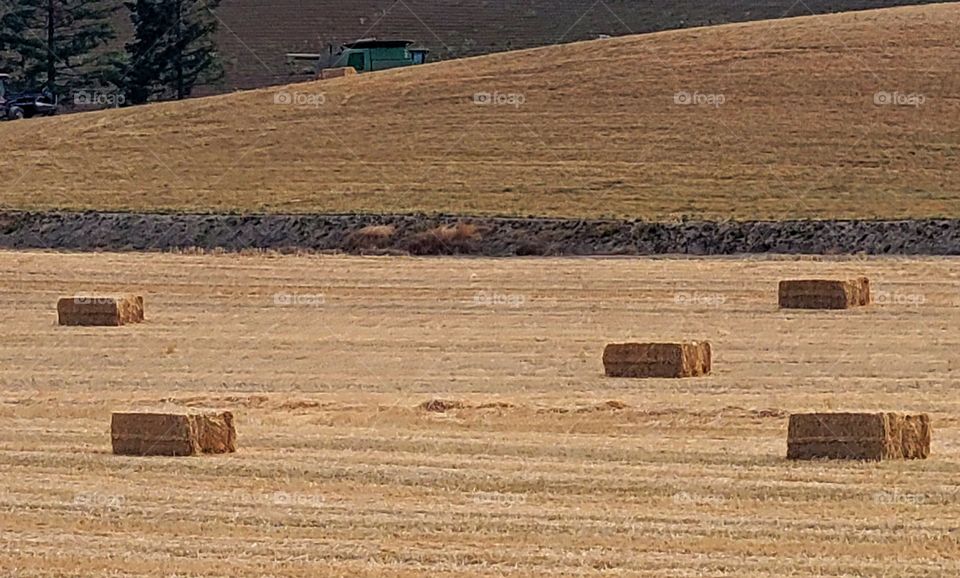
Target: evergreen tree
x=13, y=23
x=173, y=49
x=59, y=43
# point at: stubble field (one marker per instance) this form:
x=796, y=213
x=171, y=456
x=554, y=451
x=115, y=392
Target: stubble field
x=549, y=468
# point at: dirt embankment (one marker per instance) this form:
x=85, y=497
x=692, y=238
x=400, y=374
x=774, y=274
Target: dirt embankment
x=499, y=237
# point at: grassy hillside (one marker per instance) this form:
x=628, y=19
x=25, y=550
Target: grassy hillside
x=785, y=122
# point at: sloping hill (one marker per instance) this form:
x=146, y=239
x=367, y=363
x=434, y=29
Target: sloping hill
x=255, y=35
x=790, y=118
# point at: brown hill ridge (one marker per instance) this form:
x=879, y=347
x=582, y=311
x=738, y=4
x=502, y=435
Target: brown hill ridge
x=255, y=35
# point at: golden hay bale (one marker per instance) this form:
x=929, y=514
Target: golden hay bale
x=131, y=308
x=153, y=434
x=328, y=73
x=165, y=434
x=858, y=436
x=689, y=359
x=100, y=311
x=914, y=434
x=216, y=433
x=860, y=288
x=823, y=294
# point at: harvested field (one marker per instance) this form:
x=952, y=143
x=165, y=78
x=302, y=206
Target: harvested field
x=528, y=461
x=837, y=116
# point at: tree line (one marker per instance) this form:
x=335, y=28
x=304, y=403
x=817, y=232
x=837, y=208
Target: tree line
x=65, y=46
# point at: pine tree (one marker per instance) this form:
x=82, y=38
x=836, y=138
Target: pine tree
x=60, y=42
x=142, y=71
x=13, y=23
x=173, y=48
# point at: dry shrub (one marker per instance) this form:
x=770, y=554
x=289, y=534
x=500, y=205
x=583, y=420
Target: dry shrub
x=370, y=238
x=8, y=224
x=440, y=405
x=445, y=240
x=531, y=248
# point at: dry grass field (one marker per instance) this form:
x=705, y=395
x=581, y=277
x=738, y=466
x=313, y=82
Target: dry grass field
x=548, y=468
x=846, y=115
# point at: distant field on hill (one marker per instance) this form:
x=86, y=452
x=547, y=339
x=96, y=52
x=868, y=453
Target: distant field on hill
x=850, y=115
x=255, y=36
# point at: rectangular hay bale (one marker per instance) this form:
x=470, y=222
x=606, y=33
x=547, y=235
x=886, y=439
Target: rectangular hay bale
x=674, y=360
x=858, y=436
x=823, y=293
x=100, y=311
x=215, y=432
x=153, y=434
x=166, y=434
x=328, y=73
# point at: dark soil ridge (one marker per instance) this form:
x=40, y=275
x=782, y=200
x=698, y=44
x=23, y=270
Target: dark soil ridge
x=485, y=236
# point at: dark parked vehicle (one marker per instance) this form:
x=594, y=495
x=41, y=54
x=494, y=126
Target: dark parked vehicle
x=14, y=106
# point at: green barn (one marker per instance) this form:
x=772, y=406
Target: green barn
x=372, y=54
